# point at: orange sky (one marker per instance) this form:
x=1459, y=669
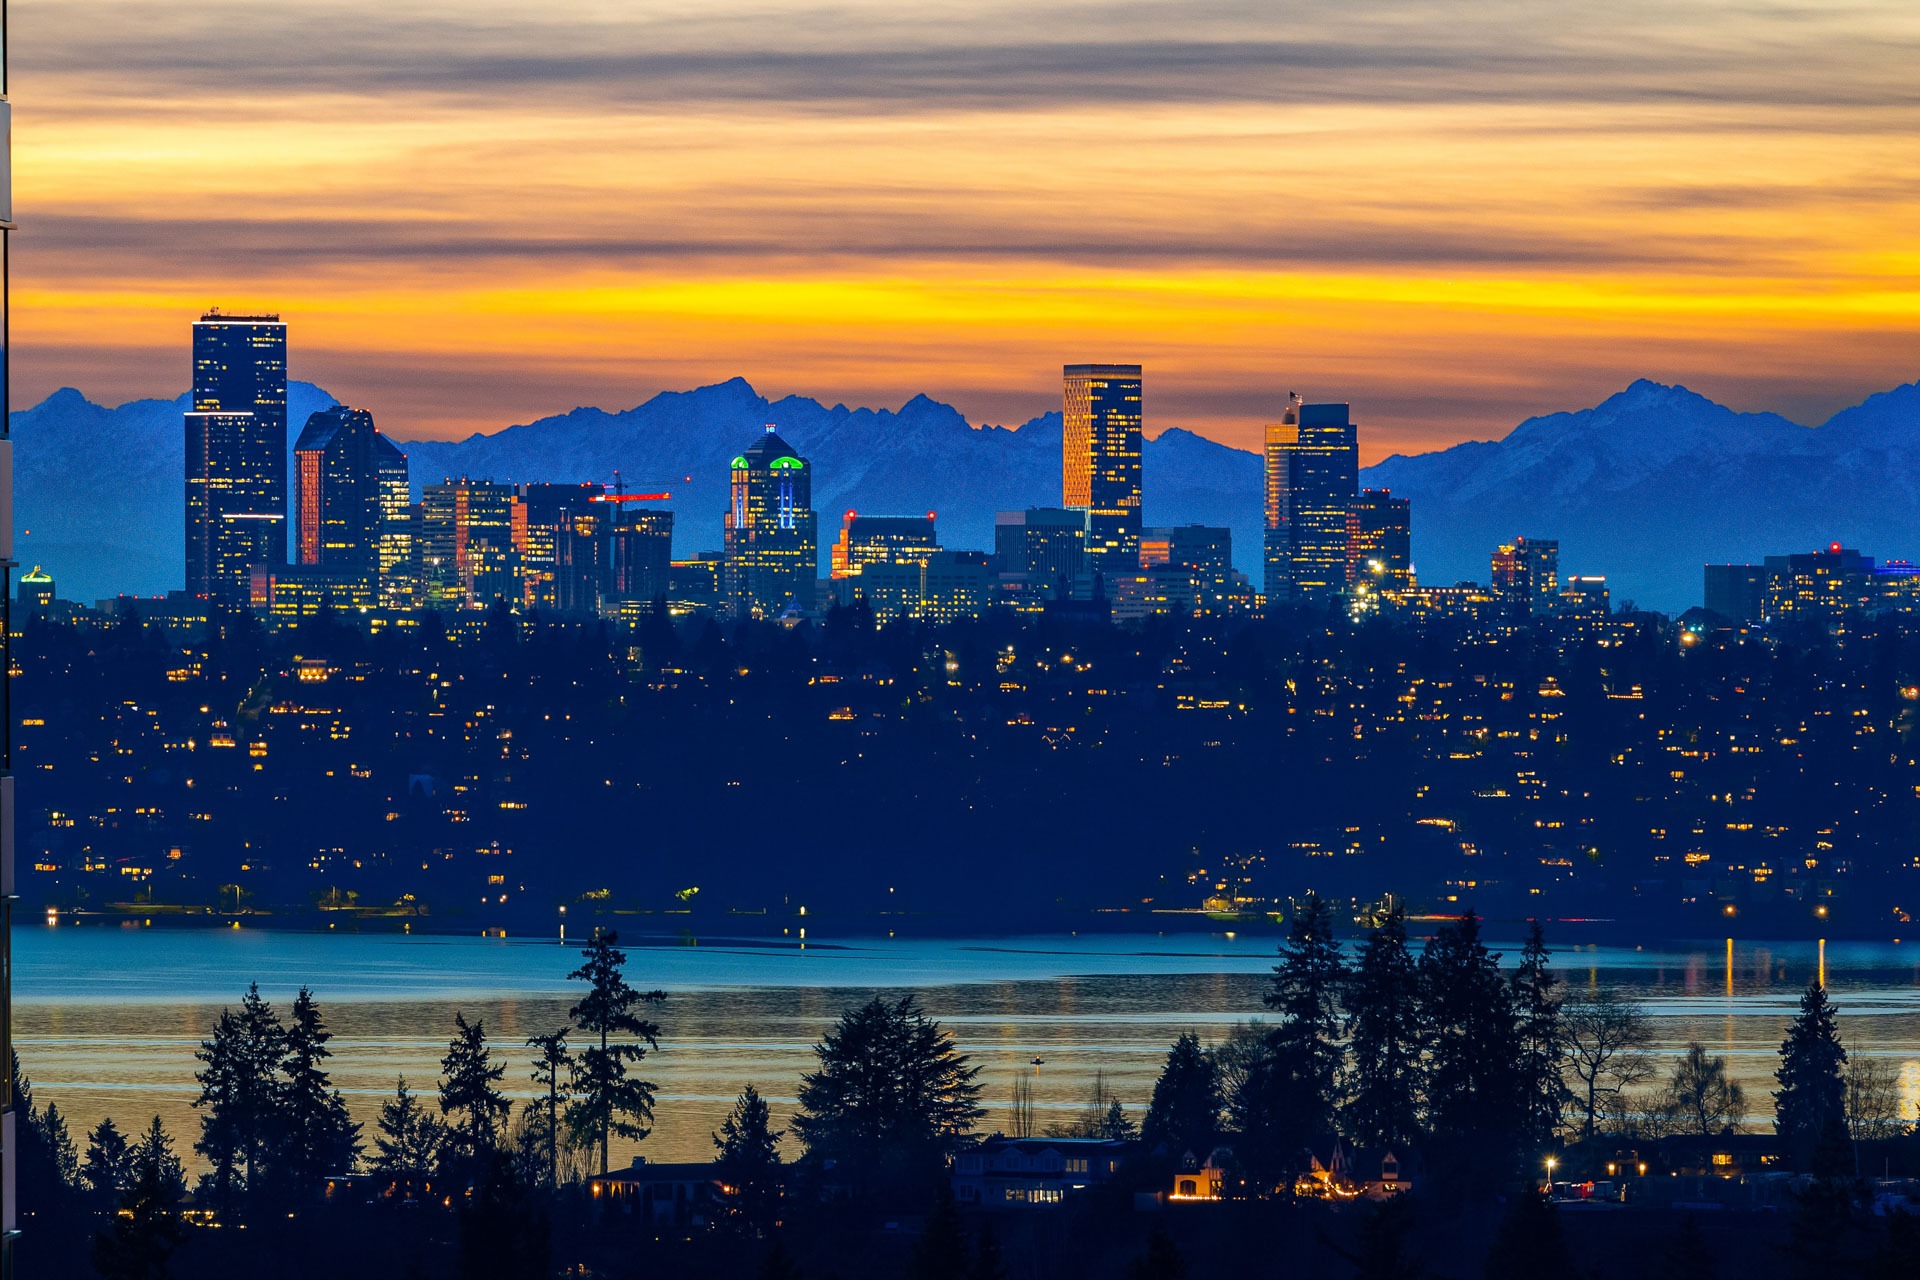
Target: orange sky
x=1450, y=214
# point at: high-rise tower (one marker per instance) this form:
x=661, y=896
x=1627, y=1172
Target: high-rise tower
x=236, y=446
x=336, y=492
x=772, y=543
x=1100, y=460
x=1313, y=476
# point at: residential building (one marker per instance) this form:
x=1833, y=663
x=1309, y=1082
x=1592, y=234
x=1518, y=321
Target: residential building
x=1017, y=1173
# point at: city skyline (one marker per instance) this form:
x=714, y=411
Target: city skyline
x=1719, y=218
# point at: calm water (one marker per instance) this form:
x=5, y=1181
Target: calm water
x=108, y=1019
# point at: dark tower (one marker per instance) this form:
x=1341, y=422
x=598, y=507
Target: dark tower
x=236, y=452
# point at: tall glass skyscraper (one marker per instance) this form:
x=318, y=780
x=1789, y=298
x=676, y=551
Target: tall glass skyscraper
x=772, y=543
x=236, y=452
x=1313, y=476
x=1100, y=451
x=336, y=492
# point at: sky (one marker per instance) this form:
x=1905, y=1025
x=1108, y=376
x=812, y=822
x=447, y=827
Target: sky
x=1451, y=215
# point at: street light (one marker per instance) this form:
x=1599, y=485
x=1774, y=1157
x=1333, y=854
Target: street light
x=1550, y=1163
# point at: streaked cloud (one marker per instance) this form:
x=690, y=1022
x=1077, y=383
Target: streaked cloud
x=1448, y=213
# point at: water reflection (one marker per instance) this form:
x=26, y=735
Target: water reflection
x=108, y=1021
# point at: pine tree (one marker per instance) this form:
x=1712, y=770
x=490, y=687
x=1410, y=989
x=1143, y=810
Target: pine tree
x=1184, y=1114
x=240, y=1094
x=474, y=1109
x=140, y=1238
x=1475, y=1103
x=888, y=1101
x=1386, y=1039
x=1810, y=1111
x=551, y=1061
x=108, y=1167
x=747, y=1149
x=319, y=1138
x=1118, y=1126
x=1536, y=1006
x=407, y=1144
x=1293, y=1089
x=63, y=1158
x=607, y=1099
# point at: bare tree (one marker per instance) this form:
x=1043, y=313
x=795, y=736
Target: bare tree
x=1701, y=1097
x=1873, y=1099
x=1606, y=1041
x=1021, y=1122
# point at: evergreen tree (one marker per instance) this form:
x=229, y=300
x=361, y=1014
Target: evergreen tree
x=240, y=1095
x=607, y=1099
x=889, y=1099
x=747, y=1157
x=1475, y=1104
x=1536, y=1006
x=1184, y=1114
x=62, y=1157
x=470, y=1100
x=1118, y=1126
x=551, y=1059
x=1308, y=984
x=407, y=1143
x=1385, y=1030
x=138, y=1240
x=108, y=1168
x=318, y=1137
x=1810, y=1107
x=941, y=1251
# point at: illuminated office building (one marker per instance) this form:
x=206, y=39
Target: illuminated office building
x=1203, y=554
x=1527, y=572
x=867, y=540
x=1045, y=547
x=394, y=548
x=1100, y=460
x=1312, y=479
x=337, y=511
x=1379, y=542
x=236, y=441
x=562, y=546
x=640, y=555
x=772, y=545
x=468, y=541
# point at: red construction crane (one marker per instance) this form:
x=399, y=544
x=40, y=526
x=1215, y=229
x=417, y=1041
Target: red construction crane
x=619, y=493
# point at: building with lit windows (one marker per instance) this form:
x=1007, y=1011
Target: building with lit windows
x=1527, y=572
x=1205, y=552
x=394, y=550
x=1041, y=553
x=562, y=546
x=639, y=555
x=236, y=442
x=1379, y=542
x=866, y=540
x=468, y=543
x=337, y=508
x=1312, y=479
x=772, y=549
x=1100, y=460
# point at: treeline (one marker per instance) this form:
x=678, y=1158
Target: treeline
x=1478, y=1073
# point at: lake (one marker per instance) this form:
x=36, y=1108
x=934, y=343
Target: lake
x=108, y=1018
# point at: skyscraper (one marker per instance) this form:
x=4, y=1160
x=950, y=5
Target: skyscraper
x=1313, y=476
x=1045, y=545
x=398, y=589
x=1379, y=541
x=772, y=547
x=1100, y=460
x=236, y=441
x=640, y=555
x=467, y=542
x=337, y=508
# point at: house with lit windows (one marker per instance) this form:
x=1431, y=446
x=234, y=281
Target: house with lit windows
x=1013, y=1173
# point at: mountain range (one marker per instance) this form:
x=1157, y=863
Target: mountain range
x=1645, y=487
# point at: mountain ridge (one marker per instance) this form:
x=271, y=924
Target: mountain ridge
x=1645, y=486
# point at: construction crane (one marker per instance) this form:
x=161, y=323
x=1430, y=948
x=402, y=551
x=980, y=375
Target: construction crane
x=619, y=493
